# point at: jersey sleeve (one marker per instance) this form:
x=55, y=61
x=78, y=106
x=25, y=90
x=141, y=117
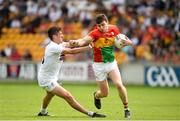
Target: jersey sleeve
x=93, y=34
x=116, y=30
x=57, y=48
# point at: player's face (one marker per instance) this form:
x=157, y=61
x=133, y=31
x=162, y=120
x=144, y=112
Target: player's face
x=59, y=37
x=103, y=27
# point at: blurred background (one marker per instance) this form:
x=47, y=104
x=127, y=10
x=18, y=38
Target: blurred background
x=152, y=25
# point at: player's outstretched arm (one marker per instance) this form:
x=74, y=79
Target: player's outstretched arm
x=76, y=50
x=81, y=42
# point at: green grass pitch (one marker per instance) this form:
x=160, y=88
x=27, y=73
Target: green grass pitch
x=22, y=102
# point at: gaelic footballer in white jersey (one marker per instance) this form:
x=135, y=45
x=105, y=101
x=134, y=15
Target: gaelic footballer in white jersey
x=51, y=63
x=49, y=70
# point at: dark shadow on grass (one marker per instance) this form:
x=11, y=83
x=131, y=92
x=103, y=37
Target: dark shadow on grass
x=65, y=118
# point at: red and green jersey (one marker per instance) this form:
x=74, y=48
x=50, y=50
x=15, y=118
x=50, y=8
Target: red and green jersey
x=104, y=44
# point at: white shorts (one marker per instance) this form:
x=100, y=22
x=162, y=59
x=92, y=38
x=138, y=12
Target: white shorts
x=101, y=70
x=49, y=86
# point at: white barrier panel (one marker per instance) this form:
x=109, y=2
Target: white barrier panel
x=3, y=71
x=132, y=74
x=18, y=70
x=74, y=71
x=27, y=71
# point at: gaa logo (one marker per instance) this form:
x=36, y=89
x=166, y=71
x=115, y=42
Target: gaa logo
x=162, y=76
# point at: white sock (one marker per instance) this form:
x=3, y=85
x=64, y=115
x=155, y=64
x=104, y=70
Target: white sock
x=126, y=108
x=43, y=110
x=90, y=113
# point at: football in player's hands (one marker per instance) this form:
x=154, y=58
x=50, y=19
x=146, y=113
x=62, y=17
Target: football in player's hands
x=121, y=41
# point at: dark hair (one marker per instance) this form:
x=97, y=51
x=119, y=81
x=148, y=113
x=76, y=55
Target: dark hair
x=100, y=18
x=53, y=31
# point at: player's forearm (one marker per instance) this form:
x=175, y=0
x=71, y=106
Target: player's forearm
x=81, y=49
x=81, y=42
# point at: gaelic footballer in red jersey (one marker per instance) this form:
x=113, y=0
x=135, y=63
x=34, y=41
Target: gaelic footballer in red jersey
x=105, y=65
x=104, y=42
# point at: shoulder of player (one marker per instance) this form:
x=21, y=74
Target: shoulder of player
x=113, y=26
x=53, y=45
x=94, y=30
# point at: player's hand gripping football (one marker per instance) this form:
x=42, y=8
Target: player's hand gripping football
x=127, y=41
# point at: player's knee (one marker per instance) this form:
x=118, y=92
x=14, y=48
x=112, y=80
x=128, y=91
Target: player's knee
x=104, y=94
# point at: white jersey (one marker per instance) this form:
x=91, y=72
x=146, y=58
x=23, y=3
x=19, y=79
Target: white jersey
x=51, y=63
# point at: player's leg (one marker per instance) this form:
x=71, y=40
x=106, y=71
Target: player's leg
x=102, y=92
x=101, y=79
x=63, y=93
x=46, y=101
x=103, y=89
x=116, y=78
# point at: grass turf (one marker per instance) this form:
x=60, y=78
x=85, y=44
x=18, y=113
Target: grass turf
x=22, y=102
